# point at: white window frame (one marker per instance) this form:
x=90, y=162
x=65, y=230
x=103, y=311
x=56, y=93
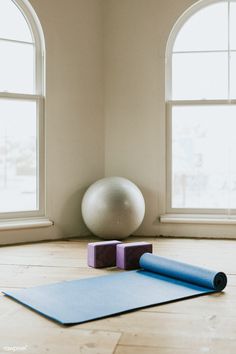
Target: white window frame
x=173, y=103
x=39, y=97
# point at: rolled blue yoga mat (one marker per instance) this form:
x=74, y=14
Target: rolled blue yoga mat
x=183, y=271
x=160, y=280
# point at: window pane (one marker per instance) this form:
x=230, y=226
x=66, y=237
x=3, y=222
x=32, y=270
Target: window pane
x=232, y=169
x=233, y=25
x=199, y=76
x=12, y=23
x=203, y=157
x=18, y=156
x=233, y=75
x=16, y=67
x=205, y=30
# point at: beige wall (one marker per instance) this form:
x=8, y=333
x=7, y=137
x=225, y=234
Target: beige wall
x=74, y=109
x=136, y=33
x=74, y=105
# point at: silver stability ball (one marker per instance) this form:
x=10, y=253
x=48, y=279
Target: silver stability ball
x=113, y=207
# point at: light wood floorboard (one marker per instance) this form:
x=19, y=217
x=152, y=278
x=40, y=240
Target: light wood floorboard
x=206, y=324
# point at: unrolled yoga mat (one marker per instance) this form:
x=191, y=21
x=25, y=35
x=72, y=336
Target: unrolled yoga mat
x=160, y=280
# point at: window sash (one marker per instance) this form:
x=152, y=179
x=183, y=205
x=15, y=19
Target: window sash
x=40, y=156
x=169, y=209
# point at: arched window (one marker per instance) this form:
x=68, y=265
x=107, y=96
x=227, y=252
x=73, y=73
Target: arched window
x=21, y=110
x=201, y=110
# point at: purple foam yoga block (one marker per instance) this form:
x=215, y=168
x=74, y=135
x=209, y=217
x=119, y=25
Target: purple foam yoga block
x=128, y=254
x=102, y=254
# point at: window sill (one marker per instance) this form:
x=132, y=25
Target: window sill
x=27, y=223
x=198, y=219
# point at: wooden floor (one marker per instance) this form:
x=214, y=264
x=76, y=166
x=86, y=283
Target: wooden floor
x=201, y=325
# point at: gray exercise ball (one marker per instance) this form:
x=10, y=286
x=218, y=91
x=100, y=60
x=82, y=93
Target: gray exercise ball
x=113, y=207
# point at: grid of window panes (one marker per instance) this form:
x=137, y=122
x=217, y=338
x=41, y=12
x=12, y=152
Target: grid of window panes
x=203, y=131
x=18, y=131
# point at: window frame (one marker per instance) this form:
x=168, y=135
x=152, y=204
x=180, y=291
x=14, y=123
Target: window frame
x=39, y=98
x=170, y=103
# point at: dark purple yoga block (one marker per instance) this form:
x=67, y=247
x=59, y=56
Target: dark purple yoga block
x=128, y=254
x=102, y=254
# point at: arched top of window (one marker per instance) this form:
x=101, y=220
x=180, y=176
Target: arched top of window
x=207, y=30
x=201, y=53
x=13, y=24
x=22, y=49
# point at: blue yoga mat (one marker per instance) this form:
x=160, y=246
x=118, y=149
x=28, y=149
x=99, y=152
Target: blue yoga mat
x=160, y=280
